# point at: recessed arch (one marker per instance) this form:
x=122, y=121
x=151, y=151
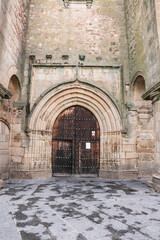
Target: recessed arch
x=46, y=110
x=14, y=87
x=57, y=99
x=138, y=88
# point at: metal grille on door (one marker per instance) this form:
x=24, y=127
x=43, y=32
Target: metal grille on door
x=76, y=142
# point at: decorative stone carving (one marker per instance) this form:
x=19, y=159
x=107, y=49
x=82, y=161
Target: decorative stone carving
x=18, y=110
x=32, y=58
x=68, y=2
x=48, y=58
x=4, y=93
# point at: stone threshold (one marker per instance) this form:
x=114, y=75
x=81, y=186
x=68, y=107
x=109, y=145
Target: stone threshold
x=75, y=175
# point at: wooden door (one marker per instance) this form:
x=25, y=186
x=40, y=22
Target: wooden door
x=62, y=156
x=76, y=142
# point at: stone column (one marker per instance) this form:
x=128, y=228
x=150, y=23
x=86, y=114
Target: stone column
x=4, y=94
x=156, y=108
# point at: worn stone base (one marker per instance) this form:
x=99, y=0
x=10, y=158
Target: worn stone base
x=1, y=184
x=31, y=174
x=75, y=175
x=155, y=183
x=48, y=174
x=119, y=175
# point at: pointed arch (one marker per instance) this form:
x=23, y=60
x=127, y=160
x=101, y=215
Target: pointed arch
x=58, y=98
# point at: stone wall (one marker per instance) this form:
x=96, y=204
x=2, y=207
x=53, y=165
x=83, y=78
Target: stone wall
x=59, y=37
x=13, y=24
x=45, y=77
x=96, y=34
x=157, y=8
x=79, y=53
x=12, y=38
x=143, y=49
x=143, y=44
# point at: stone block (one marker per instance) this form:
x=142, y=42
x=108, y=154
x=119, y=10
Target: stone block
x=16, y=159
x=17, y=151
x=131, y=155
x=41, y=174
x=145, y=146
x=119, y=175
x=4, y=159
x=4, y=145
x=129, y=147
x=5, y=176
x=146, y=157
x=1, y=183
x=16, y=143
x=2, y=138
x=145, y=168
x=155, y=183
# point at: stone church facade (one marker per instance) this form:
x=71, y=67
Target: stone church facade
x=101, y=57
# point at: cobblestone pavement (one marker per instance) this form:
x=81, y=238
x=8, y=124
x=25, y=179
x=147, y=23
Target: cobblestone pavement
x=79, y=209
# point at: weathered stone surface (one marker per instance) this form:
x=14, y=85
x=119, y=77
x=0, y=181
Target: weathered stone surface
x=12, y=25
x=103, y=57
x=142, y=40
x=1, y=184
x=4, y=150
x=79, y=208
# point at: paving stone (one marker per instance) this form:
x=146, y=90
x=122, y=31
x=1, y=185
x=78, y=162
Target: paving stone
x=72, y=208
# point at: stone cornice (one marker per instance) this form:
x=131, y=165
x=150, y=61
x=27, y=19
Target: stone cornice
x=152, y=92
x=4, y=93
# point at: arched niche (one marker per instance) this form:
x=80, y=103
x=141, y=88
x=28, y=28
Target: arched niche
x=14, y=87
x=138, y=89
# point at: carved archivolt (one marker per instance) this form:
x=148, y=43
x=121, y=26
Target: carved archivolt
x=77, y=93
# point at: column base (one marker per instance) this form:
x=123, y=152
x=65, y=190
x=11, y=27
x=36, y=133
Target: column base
x=1, y=184
x=119, y=175
x=155, y=183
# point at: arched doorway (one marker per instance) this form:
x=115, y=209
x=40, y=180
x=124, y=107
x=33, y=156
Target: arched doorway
x=76, y=142
x=57, y=99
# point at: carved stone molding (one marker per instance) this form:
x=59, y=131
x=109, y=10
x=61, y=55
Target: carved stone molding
x=153, y=93
x=18, y=109
x=4, y=93
x=68, y=2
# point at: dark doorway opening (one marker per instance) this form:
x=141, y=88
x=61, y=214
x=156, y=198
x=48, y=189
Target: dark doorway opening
x=76, y=142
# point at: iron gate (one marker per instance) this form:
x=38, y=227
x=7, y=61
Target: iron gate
x=76, y=142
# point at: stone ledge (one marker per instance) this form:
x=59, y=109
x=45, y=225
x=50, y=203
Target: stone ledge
x=31, y=174
x=4, y=93
x=1, y=184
